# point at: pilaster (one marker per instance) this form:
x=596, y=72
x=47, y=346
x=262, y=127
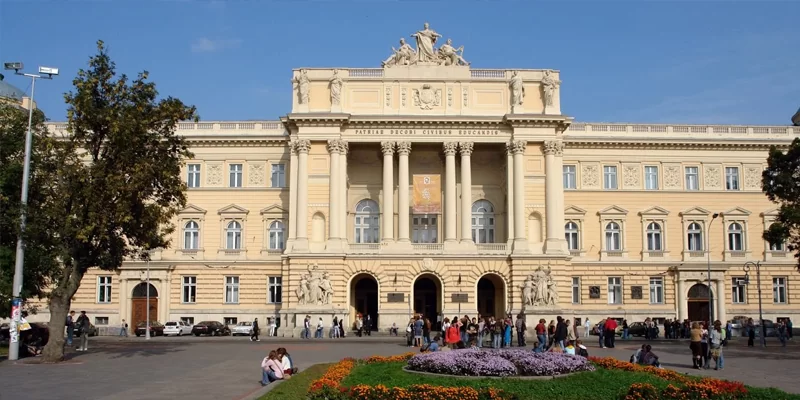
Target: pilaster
x=510, y=193
x=343, y=203
x=301, y=242
x=387, y=208
x=334, y=229
x=292, y=195
x=554, y=197
x=521, y=245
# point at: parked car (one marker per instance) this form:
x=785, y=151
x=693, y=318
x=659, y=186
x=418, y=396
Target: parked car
x=638, y=329
x=177, y=328
x=156, y=329
x=92, y=330
x=242, y=328
x=211, y=328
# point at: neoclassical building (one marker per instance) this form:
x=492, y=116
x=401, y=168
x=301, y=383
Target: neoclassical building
x=428, y=186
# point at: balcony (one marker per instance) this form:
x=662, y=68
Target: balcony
x=365, y=248
x=694, y=255
x=492, y=248
x=427, y=248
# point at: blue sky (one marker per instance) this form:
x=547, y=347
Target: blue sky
x=714, y=62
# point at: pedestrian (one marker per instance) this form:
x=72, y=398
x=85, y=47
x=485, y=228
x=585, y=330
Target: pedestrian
x=626, y=329
x=695, y=337
x=611, y=332
x=84, y=326
x=368, y=325
x=359, y=326
x=335, y=327
x=320, y=329
x=123, y=329
x=541, y=336
x=751, y=333
x=342, y=332
x=307, y=327
x=254, y=332
x=562, y=330
x=789, y=327
x=70, y=324
x=587, y=328
x=781, y=328
x=715, y=343
x=521, y=327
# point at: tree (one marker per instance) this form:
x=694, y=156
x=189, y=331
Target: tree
x=781, y=182
x=119, y=185
x=40, y=245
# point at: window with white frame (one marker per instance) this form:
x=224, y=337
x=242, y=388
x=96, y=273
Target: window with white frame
x=483, y=222
x=101, y=320
x=735, y=237
x=104, y=289
x=193, y=178
x=779, y=290
x=656, y=290
x=277, y=234
x=233, y=236
x=232, y=289
x=191, y=236
x=188, y=289
x=188, y=320
x=654, y=237
x=615, y=290
x=235, y=175
x=613, y=237
x=739, y=291
x=572, y=235
x=275, y=289
x=231, y=320
x=610, y=177
x=570, y=177
x=278, y=175
x=692, y=175
x=367, y=222
x=694, y=237
x=651, y=177
x=576, y=290
x=731, y=178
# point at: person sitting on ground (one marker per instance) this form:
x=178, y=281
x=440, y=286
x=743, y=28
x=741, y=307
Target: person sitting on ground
x=271, y=369
x=570, y=348
x=460, y=345
x=286, y=362
x=650, y=358
x=580, y=349
x=434, y=345
x=536, y=348
x=637, y=356
x=473, y=344
x=393, y=329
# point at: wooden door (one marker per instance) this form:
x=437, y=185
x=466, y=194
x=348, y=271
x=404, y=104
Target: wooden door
x=139, y=311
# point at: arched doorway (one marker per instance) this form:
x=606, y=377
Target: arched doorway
x=428, y=297
x=698, y=302
x=364, y=298
x=139, y=307
x=491, y=296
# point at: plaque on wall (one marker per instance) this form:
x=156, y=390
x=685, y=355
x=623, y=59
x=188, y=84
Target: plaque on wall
x=460, y=298
x=594, y=292
x=396, y=298
x=636, y=292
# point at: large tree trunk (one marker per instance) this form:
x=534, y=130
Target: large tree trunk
x=60, y=301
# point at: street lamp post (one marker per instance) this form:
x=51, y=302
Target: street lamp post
x=19, y=262
x=746, y=268
x=147, y=323
x=708, y=253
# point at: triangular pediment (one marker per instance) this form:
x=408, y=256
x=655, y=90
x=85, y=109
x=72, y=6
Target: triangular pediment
x=736, y=211
x=273, y=209
x=233, y=209
x=772, y=212
x=192, y=209
x=655, y=210
x=574, y=210
x=613, y=210
x=696, y=211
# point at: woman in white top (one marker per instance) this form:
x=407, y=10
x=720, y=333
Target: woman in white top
x=320, y=329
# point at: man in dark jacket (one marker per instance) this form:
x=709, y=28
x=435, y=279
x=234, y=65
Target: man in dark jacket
x=254, y=333
x=561, y=332
x=84, y=326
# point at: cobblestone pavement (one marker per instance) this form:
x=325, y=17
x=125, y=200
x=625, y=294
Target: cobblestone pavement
x=227, y=368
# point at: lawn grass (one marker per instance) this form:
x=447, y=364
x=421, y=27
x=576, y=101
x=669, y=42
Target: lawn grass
x=296, y=388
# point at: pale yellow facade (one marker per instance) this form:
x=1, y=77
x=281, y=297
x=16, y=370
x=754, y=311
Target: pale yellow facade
x=620, y=214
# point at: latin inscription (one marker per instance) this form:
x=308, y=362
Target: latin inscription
x=427, y=132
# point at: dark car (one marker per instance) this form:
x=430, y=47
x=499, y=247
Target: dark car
x=211, y=328
x=638, y=329
x=92, y=330
x=156, y=329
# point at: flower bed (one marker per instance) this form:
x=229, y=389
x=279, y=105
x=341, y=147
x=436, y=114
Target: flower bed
x=502, y=363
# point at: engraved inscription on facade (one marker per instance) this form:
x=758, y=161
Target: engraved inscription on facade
x=425, y=132
x=214, y=174
x=590, y=176
x=712, y=177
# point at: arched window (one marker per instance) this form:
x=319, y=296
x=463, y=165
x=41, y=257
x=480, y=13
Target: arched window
x=571, y=235
x=735, y=237
x=613, y=237
x=233, y=236
x=694, y=237
x=276, y=235
x=191, y=236
x=367, y=222
x=777, y=246
x=482, y=222
x=653, y=237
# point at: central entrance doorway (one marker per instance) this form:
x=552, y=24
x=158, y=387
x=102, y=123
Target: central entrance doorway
x=491, y=296
x=428, y=298
x=698, y=304
x=139, y=306
x=364, y=298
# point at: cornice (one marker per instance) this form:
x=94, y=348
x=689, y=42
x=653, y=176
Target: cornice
x=295, y=120
x=538, y=121
x=572, y=142
x=420, y=122
x=225, y=141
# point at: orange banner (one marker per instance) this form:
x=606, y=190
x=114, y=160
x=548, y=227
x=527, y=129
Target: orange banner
x=427, y=194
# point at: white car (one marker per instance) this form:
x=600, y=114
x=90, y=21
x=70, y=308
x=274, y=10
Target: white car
x=242, y=328
x=177, y=328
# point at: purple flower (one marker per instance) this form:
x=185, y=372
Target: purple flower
x=509, y=362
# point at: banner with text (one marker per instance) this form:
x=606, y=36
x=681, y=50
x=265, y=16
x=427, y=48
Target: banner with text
x=427, y=194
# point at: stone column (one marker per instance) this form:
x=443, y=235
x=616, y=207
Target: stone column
x=387, y=208
x=292, y=194
x=466, y=192
x=403, y=207
x=721, y=314
x=343, y=193
x=510, y=193
x=301, y=241
x=680, y=297
x=554, y=194
x=521, y=244
x=450, y=192
x=334, y=186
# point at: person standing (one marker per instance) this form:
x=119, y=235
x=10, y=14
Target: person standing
x=123, y=329
x=320, y=329
x=521, y=327
x=611, y=332
x=789, y=327
x=587, y=327
x=307, y=327
x=70, y=324
x=561, y=332
x=751, y=333
x=341, y=328
x=359, y=326
x=335, y=327
x=368, y=325
x=254, y=332
x=84, y=326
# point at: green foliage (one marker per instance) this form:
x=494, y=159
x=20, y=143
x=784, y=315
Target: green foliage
x=296, y=388
x=781, y=183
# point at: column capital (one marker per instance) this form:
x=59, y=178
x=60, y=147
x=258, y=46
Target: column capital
x=335, y=146
x=449, y=148
x=345, y=147
x=403, y=148
x=387, y=148
x=554, y=147
x=466, y=148
x=302, y=146
x=516, y=147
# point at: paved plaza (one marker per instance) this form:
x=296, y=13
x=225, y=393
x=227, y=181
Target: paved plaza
x=228, y=368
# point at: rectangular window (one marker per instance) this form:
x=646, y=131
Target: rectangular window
x=101, y=320
x=570, y=177
x=739, y=291
x=236, y=175
x=275, y=286
x=657, y=290
x=278, y=175
x=609, y=177
x=424, y=229
x=615, y=290
x=189, y=289
x=779, y=290
x=193, y=180
x=104, y=289
x=576, y=290
x=232, y=289
x=231, y=320
x=651, y=177
x=731, y=178
x=692, y=179
x=188, y=320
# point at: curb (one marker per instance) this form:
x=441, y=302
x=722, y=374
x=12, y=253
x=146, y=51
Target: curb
x=260, y=392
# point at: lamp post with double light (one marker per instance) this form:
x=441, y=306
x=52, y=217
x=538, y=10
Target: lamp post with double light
x=746, y=268
x=708, y=253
